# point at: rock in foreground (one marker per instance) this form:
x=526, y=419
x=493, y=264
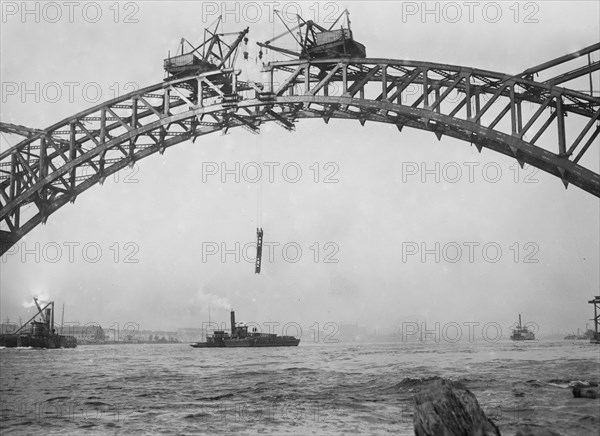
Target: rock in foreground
x=586, y=392
x=448, y=409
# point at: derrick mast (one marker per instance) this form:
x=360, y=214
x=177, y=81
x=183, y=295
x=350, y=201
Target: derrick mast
x=216, y=53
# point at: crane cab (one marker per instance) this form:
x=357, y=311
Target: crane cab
x=187, y=64
x=334, y=44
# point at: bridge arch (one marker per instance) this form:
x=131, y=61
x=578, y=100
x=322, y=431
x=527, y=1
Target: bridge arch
x=51, y=167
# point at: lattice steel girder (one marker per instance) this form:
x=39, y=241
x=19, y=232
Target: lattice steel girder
x=505, y=95
x=49, y=168
x=18, y=130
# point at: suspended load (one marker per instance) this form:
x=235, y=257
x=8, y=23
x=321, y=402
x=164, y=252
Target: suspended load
x=259, y=244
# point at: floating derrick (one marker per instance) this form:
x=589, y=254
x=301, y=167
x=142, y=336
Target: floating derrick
x=38, y=334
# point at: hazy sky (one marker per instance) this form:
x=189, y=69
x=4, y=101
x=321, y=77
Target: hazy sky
x=160, y=213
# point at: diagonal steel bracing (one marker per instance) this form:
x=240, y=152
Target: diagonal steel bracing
x=550, y=127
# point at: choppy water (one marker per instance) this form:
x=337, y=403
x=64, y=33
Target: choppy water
x=311, y=389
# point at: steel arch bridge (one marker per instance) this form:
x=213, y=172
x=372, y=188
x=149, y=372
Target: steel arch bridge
x=512, y=115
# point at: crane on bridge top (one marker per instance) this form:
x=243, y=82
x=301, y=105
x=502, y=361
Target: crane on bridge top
x=318, y=42
x=213, y=54
x=541, y=117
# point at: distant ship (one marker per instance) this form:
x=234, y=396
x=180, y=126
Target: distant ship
x=522, y=333
x=589, y=334
x=240, y=337
x=38, y=334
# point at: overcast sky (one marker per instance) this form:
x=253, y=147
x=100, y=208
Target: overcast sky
x=160, y=213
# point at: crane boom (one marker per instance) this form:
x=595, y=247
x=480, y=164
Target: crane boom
x=39, y=309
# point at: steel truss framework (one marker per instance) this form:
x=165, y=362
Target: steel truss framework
x=512, y=115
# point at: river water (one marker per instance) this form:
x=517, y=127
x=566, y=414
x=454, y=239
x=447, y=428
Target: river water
x=326, y=389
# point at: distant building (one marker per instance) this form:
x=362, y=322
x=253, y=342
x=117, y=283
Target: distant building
x=8, y=328
x=157, y=336
x=86, y=334
x=124, y=335
x=190, y=334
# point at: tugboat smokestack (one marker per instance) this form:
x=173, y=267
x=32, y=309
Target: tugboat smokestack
x=48, y=315
x=232, y=323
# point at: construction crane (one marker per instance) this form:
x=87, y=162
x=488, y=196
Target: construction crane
x=40, y=310
x=318, y=42
x=214, y=53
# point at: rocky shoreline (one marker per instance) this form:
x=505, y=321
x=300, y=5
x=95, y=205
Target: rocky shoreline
x=447, y=408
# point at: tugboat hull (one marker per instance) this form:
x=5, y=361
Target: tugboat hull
x=292, y=342
x=53, y=341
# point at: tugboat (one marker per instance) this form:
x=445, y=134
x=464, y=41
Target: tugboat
x=240, y=337
x=39, y=334
x=522, y=333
